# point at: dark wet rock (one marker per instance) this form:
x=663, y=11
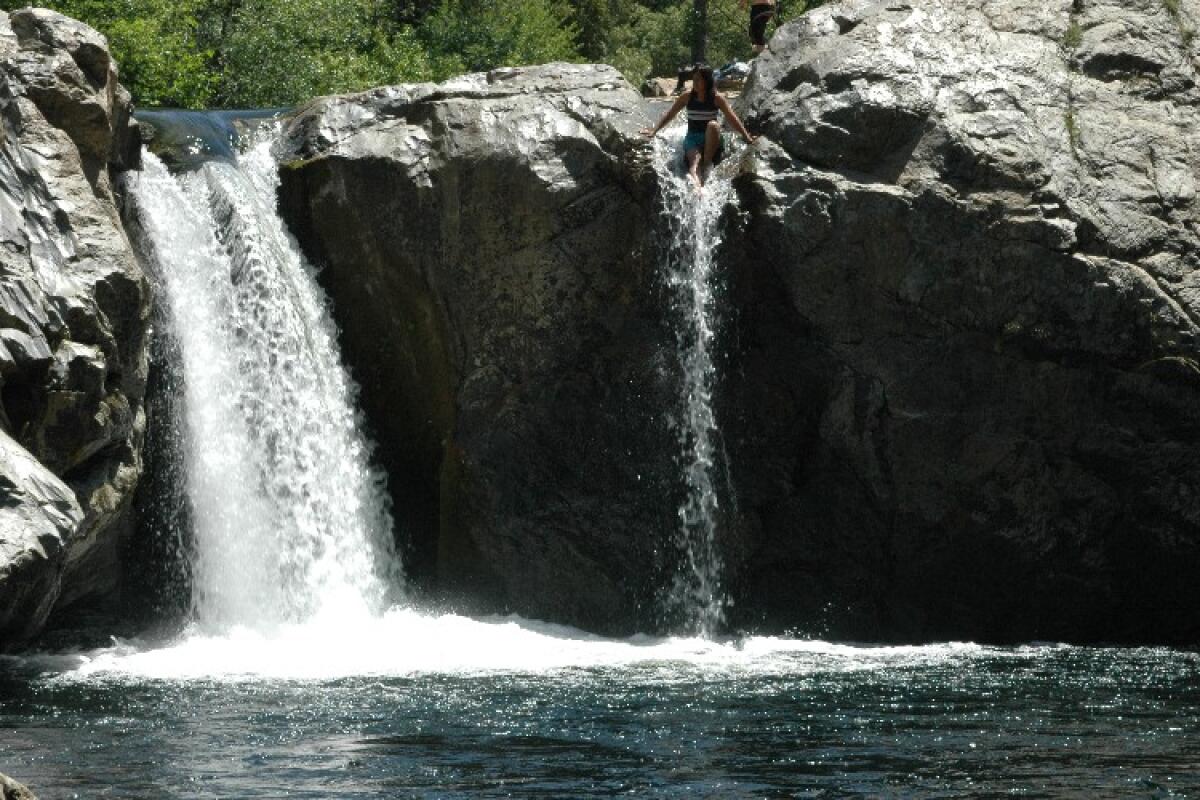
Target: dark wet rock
x=74, y=303
x=966, y=394
x=488, y=246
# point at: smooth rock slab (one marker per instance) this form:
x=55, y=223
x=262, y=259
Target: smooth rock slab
x=11, y=790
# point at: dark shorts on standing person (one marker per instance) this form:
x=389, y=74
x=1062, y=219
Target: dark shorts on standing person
x=760, y=15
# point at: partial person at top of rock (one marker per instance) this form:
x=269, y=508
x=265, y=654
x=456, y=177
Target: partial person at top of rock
x=702, y=145
x=761, y=12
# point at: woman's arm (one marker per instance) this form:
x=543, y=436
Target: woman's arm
x=727, y=110
x=679, y=103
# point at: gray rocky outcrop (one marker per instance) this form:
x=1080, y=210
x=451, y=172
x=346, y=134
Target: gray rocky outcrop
x=967, y=397
x=960, y=394
x=74, y=308
x=38, y=515
x=11, y=790
x=488, y=245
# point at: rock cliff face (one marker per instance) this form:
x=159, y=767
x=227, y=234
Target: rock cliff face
x=961, y=396
x=488, y=246
x=73, y=321
x=968, y=398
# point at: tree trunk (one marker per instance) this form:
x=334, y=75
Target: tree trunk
x=699, y=30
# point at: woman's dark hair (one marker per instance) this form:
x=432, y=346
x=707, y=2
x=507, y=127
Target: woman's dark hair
x=706, y=72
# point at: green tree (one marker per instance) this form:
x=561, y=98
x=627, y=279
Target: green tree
x=475, y=35
x=650, y=42
x=282, y=52
x=651, y=37
x=156, y=45
x=200, y=53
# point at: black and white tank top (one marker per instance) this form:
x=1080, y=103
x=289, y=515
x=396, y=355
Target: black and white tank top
x=701, y=112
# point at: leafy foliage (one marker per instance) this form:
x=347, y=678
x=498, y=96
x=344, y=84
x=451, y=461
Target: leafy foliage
x=156, y=44
x=472, y=35
x=278, y=53
x=204, y=53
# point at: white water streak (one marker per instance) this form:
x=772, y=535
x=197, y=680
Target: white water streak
x=290, y=521
x=696, y=595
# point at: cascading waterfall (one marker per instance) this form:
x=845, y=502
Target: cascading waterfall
x=293, y=570
x=290, y=522
x=696, y=596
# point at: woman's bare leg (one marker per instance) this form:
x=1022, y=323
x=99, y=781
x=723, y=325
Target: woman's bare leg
x=712, y=143
x=693, y=161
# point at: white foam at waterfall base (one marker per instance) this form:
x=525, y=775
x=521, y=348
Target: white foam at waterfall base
x=406, y=642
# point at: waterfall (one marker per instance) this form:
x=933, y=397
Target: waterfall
x=289, y=520
x=696, y=597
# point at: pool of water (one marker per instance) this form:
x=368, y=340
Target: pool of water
x=506, y=708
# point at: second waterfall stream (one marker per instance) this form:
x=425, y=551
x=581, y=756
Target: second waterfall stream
x=696, y=599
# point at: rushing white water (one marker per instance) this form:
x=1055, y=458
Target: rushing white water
x=404, y=641
x=290, y=523
x=696, y=595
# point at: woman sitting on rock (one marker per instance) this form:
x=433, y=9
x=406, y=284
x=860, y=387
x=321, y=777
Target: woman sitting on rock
x=702, y=146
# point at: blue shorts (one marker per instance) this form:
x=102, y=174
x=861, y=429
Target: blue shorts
x=694, y=140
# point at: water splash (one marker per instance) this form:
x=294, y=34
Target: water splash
x=405, y=642
x=290, y=522
x=696, y=597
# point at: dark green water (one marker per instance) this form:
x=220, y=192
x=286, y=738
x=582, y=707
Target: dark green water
x=762, y=718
